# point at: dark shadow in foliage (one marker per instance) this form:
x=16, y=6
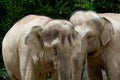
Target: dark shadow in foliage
x=106, y=6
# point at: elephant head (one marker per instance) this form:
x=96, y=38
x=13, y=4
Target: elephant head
x=94, y=31
x=55, y=42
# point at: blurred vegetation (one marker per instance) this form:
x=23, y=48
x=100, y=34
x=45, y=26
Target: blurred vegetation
x=13, y=10
x=103, y=6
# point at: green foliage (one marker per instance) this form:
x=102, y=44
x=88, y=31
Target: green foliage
x=3, y=74
x=107, y=6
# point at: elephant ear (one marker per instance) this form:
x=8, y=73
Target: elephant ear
x=33, y=39
x=39, y=37
x=106, y=31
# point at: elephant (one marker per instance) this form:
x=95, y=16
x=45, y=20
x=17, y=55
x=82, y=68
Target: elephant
x=99, y=39
x=38, y=45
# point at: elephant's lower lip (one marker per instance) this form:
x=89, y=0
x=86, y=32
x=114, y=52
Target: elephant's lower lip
x=91, y=53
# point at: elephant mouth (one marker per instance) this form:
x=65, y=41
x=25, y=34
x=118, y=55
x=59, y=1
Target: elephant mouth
x=91, y=53
x=96, y=53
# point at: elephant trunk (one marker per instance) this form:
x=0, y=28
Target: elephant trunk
x=78, y=61
x=65, y=71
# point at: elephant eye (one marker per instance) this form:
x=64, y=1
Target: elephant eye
x=89, y=37
x=54, y=51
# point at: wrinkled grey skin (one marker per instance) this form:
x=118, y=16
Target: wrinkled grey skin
x=100, y=36
x=37, y=45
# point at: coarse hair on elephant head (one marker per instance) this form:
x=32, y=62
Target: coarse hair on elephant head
x=54, y=42
x=95, y=32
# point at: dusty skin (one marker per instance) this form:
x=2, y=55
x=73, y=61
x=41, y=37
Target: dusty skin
x=100, y=43
x=37, y=45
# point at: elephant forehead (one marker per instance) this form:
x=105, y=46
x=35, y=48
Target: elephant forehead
x=50, y=44
x=81, y=17
x=58, y=24
x=82, y=30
